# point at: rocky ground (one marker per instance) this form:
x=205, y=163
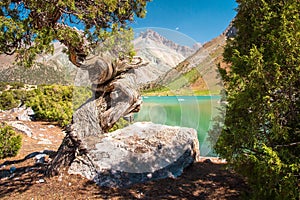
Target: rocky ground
x=22, y=177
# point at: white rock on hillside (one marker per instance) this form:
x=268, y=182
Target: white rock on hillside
x=21, y=127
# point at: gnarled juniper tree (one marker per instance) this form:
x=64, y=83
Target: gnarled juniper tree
x=29, y=27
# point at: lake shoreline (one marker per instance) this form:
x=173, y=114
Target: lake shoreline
x=195, y=112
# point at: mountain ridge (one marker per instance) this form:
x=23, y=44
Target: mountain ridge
x=198, y=72
x=170, y=64
x=182, y=49
x=161, y=53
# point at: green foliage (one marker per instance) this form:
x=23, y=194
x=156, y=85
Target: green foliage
x=11, y=99
x=121, y=123
x=28, y=27
x=10, y=142
x=118, y=45
x=12, y=85
x=8, y=101
x=260, y=137
x=185, y=80
x=80, y=96
x=54, y=103
x=157, y=90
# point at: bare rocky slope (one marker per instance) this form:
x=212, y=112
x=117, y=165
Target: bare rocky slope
x=199, y=71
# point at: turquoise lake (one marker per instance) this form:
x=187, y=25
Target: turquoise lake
x=187, y=111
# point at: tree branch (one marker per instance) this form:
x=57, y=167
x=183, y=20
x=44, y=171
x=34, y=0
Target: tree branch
x=288, y=145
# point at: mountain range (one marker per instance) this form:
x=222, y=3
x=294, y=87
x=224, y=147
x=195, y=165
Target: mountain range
x=161, y=54
x=170, y=64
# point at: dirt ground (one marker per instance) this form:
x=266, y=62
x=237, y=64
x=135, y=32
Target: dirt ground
x=22, y=178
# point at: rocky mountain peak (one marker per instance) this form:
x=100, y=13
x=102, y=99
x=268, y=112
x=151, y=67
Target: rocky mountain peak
x=186, y=51
x=150, y=34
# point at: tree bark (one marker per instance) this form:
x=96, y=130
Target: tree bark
x=116, y=94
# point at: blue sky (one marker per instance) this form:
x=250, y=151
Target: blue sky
x=201, y=20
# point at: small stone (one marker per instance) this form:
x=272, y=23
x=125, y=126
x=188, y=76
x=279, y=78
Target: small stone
x=60, y=177
x=44, y=141
x=29, y=111
x=12, y=169
x=51, y=126
x=207, y=161
x=40, y=158
x=41, y=181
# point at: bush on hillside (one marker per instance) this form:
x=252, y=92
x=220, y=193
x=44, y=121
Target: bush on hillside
x=12, y=98
x=10, y=142
x=56, y=103
x=52, y=103
x=121, y=123
x=13, y=85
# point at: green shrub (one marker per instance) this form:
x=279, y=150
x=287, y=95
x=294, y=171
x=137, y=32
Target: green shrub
x=80, y=96
x=13, y=85
x=52, y=103
x=3, y=85
x=121, y=123
x=56, y=103
x=10, y=142
x=7, y=101
x=12, y=98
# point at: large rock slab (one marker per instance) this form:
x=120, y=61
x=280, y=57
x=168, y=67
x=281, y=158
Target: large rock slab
x=138, y=153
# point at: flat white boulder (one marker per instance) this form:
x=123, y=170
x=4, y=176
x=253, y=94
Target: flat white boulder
x=138, y=153
x=21, y=127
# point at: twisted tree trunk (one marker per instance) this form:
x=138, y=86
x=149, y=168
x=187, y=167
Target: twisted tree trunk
x=115, y=94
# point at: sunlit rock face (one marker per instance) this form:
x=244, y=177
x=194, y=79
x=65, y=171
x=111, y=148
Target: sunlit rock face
x=161, y=53
x=138, y=153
